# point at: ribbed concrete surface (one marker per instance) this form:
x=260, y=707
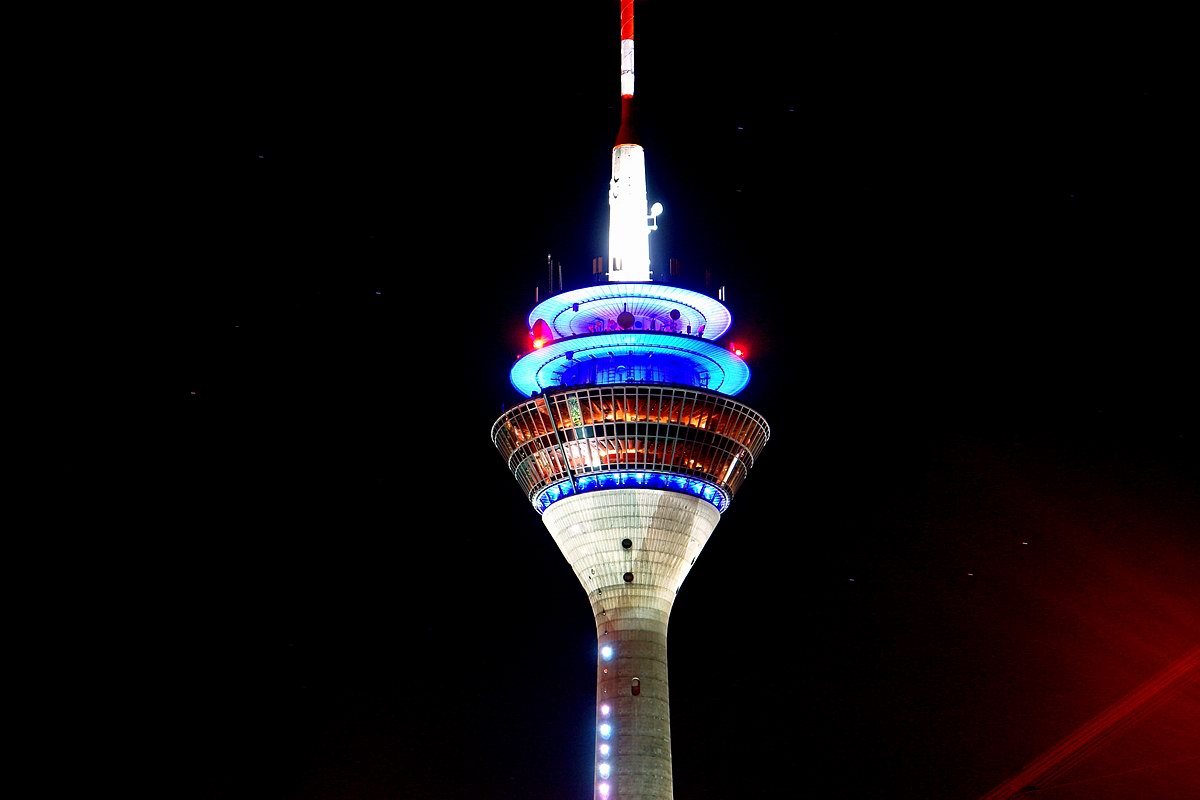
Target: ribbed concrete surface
x=667, y=530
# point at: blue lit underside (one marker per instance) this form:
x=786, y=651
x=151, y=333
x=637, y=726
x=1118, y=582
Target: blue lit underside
x=570, y=313
x=631, y=480
x=717, y=369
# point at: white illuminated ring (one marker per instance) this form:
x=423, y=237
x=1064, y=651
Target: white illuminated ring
x=643, y=300
x=543, y=368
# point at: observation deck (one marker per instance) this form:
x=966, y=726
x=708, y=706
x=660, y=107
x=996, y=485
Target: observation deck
x=630, y=390
x=595, y=309
x=629, y=333
x=653, y=437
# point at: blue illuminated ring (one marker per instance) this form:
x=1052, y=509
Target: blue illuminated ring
x=630, y=479
x=543, y=368
x=656, y=300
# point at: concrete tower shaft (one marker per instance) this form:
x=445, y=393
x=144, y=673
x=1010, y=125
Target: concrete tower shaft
x=631, y=550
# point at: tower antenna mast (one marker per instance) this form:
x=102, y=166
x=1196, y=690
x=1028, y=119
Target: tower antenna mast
x=628, y=242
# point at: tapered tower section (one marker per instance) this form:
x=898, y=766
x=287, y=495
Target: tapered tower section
x=630, y=446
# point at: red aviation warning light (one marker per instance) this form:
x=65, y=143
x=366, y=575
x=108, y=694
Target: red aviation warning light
x=541, y=334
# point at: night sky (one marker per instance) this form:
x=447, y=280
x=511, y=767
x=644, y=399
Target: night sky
x=956, y=248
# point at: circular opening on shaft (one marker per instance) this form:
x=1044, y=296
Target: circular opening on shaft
x=626, y=543
x=628, y=577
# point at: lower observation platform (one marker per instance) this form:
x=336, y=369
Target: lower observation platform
x=672, y=438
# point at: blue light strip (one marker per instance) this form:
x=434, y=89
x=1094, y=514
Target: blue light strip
x=542, y=369
x=631, y=480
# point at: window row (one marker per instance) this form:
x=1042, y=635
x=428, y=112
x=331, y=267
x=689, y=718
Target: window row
x=641, y=430
x=597, y=406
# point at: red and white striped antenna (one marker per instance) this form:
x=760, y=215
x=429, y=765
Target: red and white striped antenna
x=626, y=135
x=628, y=242
x=626, y=48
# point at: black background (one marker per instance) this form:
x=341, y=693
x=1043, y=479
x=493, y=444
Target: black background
x=955, y=247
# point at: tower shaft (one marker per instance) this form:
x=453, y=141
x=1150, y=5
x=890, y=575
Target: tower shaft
x=631, y=550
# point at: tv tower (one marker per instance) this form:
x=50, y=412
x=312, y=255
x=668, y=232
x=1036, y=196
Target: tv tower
x=630, y=447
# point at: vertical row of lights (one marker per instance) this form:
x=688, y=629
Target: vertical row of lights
x=604, y=766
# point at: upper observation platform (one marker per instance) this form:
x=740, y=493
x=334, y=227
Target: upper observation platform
x=651, y=306
x=629, y=333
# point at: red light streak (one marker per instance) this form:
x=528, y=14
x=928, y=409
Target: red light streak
x=1066, y=753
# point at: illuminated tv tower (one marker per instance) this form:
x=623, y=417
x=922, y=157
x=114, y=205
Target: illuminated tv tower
x=630, y=447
